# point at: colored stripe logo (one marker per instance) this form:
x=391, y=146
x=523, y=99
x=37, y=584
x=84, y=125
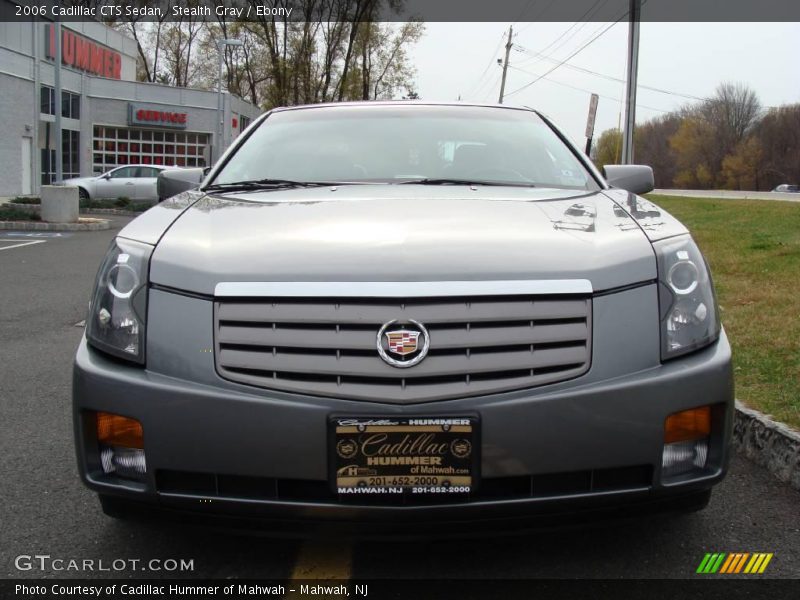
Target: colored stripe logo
x=735, y=562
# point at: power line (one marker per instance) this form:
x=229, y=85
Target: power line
x=575, y=53
x=492, y=60
x=584, y=46
x=611, y=77
x=559, y=37
x=535, y=17
x=584, y=19
x=491, y=88
x=532, y=61
x=482, y=91
x=580, y=89
x=524, y=10
x=522, y=49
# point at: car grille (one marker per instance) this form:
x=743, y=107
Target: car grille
x=327, y=347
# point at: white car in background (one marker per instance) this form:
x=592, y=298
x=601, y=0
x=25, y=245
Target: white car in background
x=135, y=182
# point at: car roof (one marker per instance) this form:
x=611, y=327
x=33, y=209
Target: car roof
x=143, y=165
x=421, y=103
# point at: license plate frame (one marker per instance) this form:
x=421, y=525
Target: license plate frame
x=385, y=451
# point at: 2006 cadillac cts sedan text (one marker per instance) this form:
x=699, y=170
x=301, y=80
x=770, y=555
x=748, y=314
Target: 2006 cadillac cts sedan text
x=400, y=315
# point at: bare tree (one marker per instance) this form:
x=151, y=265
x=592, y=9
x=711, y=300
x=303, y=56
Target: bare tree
x=179, y=40
x=652, y=147
x=733, y=111
x=393, y=69
x=361, y=9
x=779, y=136
x=335, y=50
x=147, y=35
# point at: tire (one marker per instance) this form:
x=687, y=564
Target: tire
x=83, y=195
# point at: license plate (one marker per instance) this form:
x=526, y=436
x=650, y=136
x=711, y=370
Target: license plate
x=415, y=455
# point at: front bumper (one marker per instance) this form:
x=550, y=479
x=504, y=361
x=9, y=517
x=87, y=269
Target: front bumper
x=235, y=452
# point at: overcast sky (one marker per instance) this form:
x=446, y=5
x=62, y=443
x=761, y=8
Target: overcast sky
x=688, y=58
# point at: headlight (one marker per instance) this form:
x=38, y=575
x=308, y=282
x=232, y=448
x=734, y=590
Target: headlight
x=689, y=318
x=117, y=314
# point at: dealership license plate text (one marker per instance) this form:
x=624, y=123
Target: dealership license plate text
x=403, y=455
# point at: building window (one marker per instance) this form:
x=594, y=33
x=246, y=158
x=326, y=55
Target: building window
x=48, y=102
x=70, y=157
x=70, y=103
x=48, y=166
x=243, y=123
x=114, y=146
x=71, y=154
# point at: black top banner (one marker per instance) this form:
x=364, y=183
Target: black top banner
x=231, y=11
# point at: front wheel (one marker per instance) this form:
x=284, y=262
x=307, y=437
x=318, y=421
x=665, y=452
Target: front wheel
x=83, y=195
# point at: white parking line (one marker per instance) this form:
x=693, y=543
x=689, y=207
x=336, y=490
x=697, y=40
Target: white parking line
x=19, y=245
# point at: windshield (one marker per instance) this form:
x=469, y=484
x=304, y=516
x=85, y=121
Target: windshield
x=396, y=144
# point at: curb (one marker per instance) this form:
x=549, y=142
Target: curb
x=94, y=225
x=35, y=208
x=768, y=443
x=110, y=211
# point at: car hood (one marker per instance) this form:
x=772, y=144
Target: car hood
x=402, y=233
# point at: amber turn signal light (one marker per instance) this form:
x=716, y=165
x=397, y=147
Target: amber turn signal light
x=688, y=425
x=116, y=430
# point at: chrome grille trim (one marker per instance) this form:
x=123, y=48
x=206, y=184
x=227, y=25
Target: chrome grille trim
x=326, y=346
x=398, y=289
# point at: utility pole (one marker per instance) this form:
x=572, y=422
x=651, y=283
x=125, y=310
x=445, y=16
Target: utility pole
x=505, y=65
x=59, y=175
x=633, y=69
x=590, y=122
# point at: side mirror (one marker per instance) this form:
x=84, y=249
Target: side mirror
x=636, y=179
x=106, y=176
x=174, y=181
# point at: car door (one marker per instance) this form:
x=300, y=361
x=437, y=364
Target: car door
x=118, y=183
x=146, y=183
x=103, y=184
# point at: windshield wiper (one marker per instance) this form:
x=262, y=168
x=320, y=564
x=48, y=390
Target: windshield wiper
x=265, y=184
x=445, y=181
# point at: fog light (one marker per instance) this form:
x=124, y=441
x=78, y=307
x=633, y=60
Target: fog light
x=121, y=442
x=124, y=462
x=686, y=437
x=683, y=457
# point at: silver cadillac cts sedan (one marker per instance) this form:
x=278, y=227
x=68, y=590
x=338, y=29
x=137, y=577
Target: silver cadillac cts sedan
x=403, y=316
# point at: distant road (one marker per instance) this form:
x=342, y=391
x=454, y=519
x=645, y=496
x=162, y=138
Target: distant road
x=732, y=195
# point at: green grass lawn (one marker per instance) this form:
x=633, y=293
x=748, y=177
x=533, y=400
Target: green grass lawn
x=753, y=247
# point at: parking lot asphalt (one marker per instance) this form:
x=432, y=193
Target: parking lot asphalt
x=44, y=294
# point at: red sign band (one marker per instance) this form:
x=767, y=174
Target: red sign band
x=83, y=54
